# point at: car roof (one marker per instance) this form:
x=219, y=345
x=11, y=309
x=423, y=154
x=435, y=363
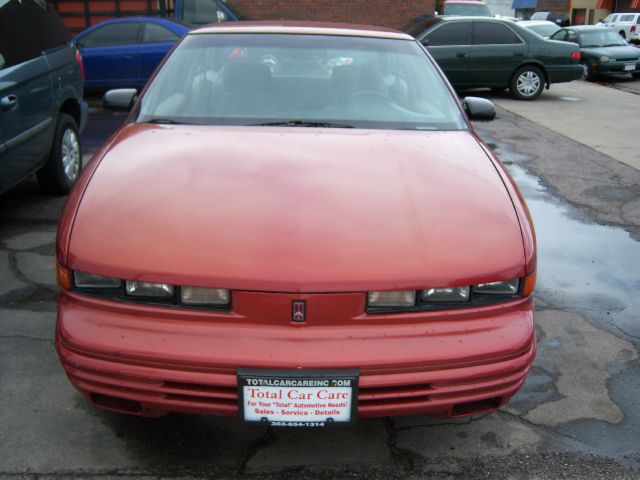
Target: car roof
x=308, y=28
x=586, y=28
x=533, y=23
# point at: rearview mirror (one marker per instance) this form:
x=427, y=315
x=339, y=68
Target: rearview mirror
x=119, y=98
x=425, y=42
x=479, y=108
x=222, y=17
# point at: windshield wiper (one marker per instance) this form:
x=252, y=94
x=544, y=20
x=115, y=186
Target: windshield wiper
x=615, y=45
x=302, y=123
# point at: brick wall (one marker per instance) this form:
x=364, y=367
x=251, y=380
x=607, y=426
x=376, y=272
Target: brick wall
x=557, y=6
x=390, y=13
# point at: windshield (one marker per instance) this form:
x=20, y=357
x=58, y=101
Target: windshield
x=300, y=80
x=544, y=30
x=467, y=9
x=601, y=38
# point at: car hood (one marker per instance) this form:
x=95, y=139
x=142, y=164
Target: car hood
x=296, y=210
x=619, y=53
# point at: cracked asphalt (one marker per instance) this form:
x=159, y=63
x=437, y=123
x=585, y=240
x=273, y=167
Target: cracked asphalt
x=576, y=417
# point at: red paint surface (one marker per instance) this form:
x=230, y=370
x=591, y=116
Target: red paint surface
x=284, y=214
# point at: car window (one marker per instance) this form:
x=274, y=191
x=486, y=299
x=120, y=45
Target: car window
x=154, y=33
x=467, y=9
x=571, y=36
x=544, y=30
x=539, y=16
x=601, y=38
x=455, y=33
x=626, y=18
x=110, y=35
x=490, y=33
x=254, y=79
x=18, y=41
x=51, y=31
x=201, y=11
x=559, y=35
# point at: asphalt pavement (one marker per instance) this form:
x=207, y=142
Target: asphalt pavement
x=576, y=416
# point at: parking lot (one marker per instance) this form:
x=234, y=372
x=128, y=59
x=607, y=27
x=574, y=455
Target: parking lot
x=575, y=158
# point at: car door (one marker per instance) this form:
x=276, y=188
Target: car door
x=111, y=55
x=448, y=44
x=26, y=98
x=496, y=52
x=156, y=41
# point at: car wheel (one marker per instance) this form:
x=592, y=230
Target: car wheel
x=527, y=83
x=65, y=159
x=587, y=71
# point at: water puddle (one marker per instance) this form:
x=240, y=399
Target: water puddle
x=581, y=266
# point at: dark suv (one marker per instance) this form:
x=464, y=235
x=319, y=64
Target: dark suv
x=41, y=106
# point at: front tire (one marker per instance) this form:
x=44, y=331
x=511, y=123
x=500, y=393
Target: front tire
x=65, y=159
x=587, y=71
x=527, y=83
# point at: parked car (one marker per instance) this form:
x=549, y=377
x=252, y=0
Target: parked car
x=543, y=28
x=41, y=106
x=329, y=237
x=626, y=24
x=560, y=19
x=201, y=12
x=124, y=52
x=602, y=50
x=467, y=8
x=489, y=52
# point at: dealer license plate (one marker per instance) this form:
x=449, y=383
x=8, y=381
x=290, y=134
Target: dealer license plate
x=629, y=67
x=298, y=398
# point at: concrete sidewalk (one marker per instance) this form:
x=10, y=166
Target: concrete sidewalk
x=605, y=119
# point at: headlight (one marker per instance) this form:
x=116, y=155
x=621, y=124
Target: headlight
x=448, y=294
x=204, y=296
x=450, y=297
x=152, y=293
x=91, y=280
x=147, y=289
x=498, y=288
x=397, y=298
x=605, y=59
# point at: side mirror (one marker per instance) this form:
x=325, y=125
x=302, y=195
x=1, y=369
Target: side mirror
x=222, y=17
x=119, y=99
x=479, y=108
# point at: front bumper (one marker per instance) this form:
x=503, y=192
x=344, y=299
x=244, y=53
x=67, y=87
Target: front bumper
x=616, y=67
x=150, y=361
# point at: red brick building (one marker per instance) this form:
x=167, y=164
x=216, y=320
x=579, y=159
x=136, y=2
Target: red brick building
x=79, y=14
x=392, y=13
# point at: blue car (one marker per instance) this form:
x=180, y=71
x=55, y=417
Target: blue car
x=124, y=52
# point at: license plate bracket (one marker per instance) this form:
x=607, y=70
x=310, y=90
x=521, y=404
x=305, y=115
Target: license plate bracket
x=298, y=398
x=629, y=67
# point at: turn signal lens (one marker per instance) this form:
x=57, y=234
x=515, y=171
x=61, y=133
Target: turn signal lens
x=91, y=280
x=204, y=296
x=64, y=277
x=147, y=289
x=396, y=298
x=449, y=294
x=529, y=284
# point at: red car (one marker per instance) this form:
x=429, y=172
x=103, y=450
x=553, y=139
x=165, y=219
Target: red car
x=297, y=225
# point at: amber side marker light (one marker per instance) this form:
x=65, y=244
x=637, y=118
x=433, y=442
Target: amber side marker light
x=64, y=276
x=528, y=284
